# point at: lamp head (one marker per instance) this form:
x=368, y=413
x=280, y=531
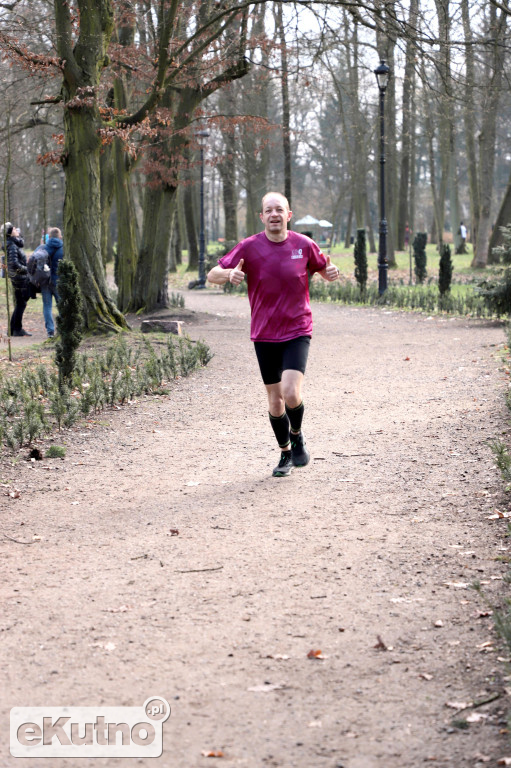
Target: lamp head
x=202, y=135
x=382, y=76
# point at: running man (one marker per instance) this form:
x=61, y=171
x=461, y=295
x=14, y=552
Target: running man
x=276, y=263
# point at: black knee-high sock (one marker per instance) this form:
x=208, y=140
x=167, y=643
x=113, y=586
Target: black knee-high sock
x=295, y=416
x=280, y=425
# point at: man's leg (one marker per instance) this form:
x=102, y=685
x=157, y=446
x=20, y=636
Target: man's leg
x=292, y=390
x=280, y=425
x=294, y=364
x=47, y=305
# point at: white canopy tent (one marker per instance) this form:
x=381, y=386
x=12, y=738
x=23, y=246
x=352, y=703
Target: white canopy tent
x=307, y=221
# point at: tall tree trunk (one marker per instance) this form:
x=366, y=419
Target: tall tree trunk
x=503, y=218
x=386, y=42
x=494, y=69
x=438, y=202
x=413, y=155
x=107, y=196
x=83, y=59
x=469, y=122
x=191, y=228
x=403, y=214
x=126, y=259
x=146, y=285
x=286, y=118
x=176, y=256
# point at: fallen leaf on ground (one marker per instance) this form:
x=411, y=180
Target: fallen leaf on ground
x=174, y=532
x=265, y=687
x=315, y=655
x=476, y=717
x=499, y=515
x=380, y=645
x=15, y=494
x=212, y=753
x=458, y=704
x=484, y=646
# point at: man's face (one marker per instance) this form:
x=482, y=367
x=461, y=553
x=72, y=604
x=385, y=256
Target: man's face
x=275, y=215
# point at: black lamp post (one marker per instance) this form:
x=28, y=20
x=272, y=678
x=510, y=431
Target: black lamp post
x=201, y=283
x=382, y=78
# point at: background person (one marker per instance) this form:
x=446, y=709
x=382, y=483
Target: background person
x=18, y=274
x=277, y=263
x=55, y=249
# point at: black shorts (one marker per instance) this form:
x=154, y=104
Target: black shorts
x=277, y=356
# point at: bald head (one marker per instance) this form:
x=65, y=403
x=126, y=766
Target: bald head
x=275, y=194
x=275, y=215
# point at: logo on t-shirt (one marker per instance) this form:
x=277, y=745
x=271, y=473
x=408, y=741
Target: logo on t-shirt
x=297, y=253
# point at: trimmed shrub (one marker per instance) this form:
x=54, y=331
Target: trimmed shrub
x=419, y=255
x=360, y=255
x=445, y=269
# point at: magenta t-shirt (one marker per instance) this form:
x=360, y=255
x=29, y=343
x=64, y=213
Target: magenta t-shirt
x=278, y=288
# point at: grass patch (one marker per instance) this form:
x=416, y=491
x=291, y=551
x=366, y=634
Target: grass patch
x=55, y=452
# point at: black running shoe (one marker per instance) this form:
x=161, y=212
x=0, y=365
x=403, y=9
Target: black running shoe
x=299, y=452
x=285, y=465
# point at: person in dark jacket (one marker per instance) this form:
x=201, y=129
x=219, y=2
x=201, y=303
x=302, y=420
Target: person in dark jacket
x=55, y=249
x=17, y=271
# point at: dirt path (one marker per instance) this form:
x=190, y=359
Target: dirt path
x=171, y=563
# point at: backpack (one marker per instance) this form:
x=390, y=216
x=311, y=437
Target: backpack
x=38, y=267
